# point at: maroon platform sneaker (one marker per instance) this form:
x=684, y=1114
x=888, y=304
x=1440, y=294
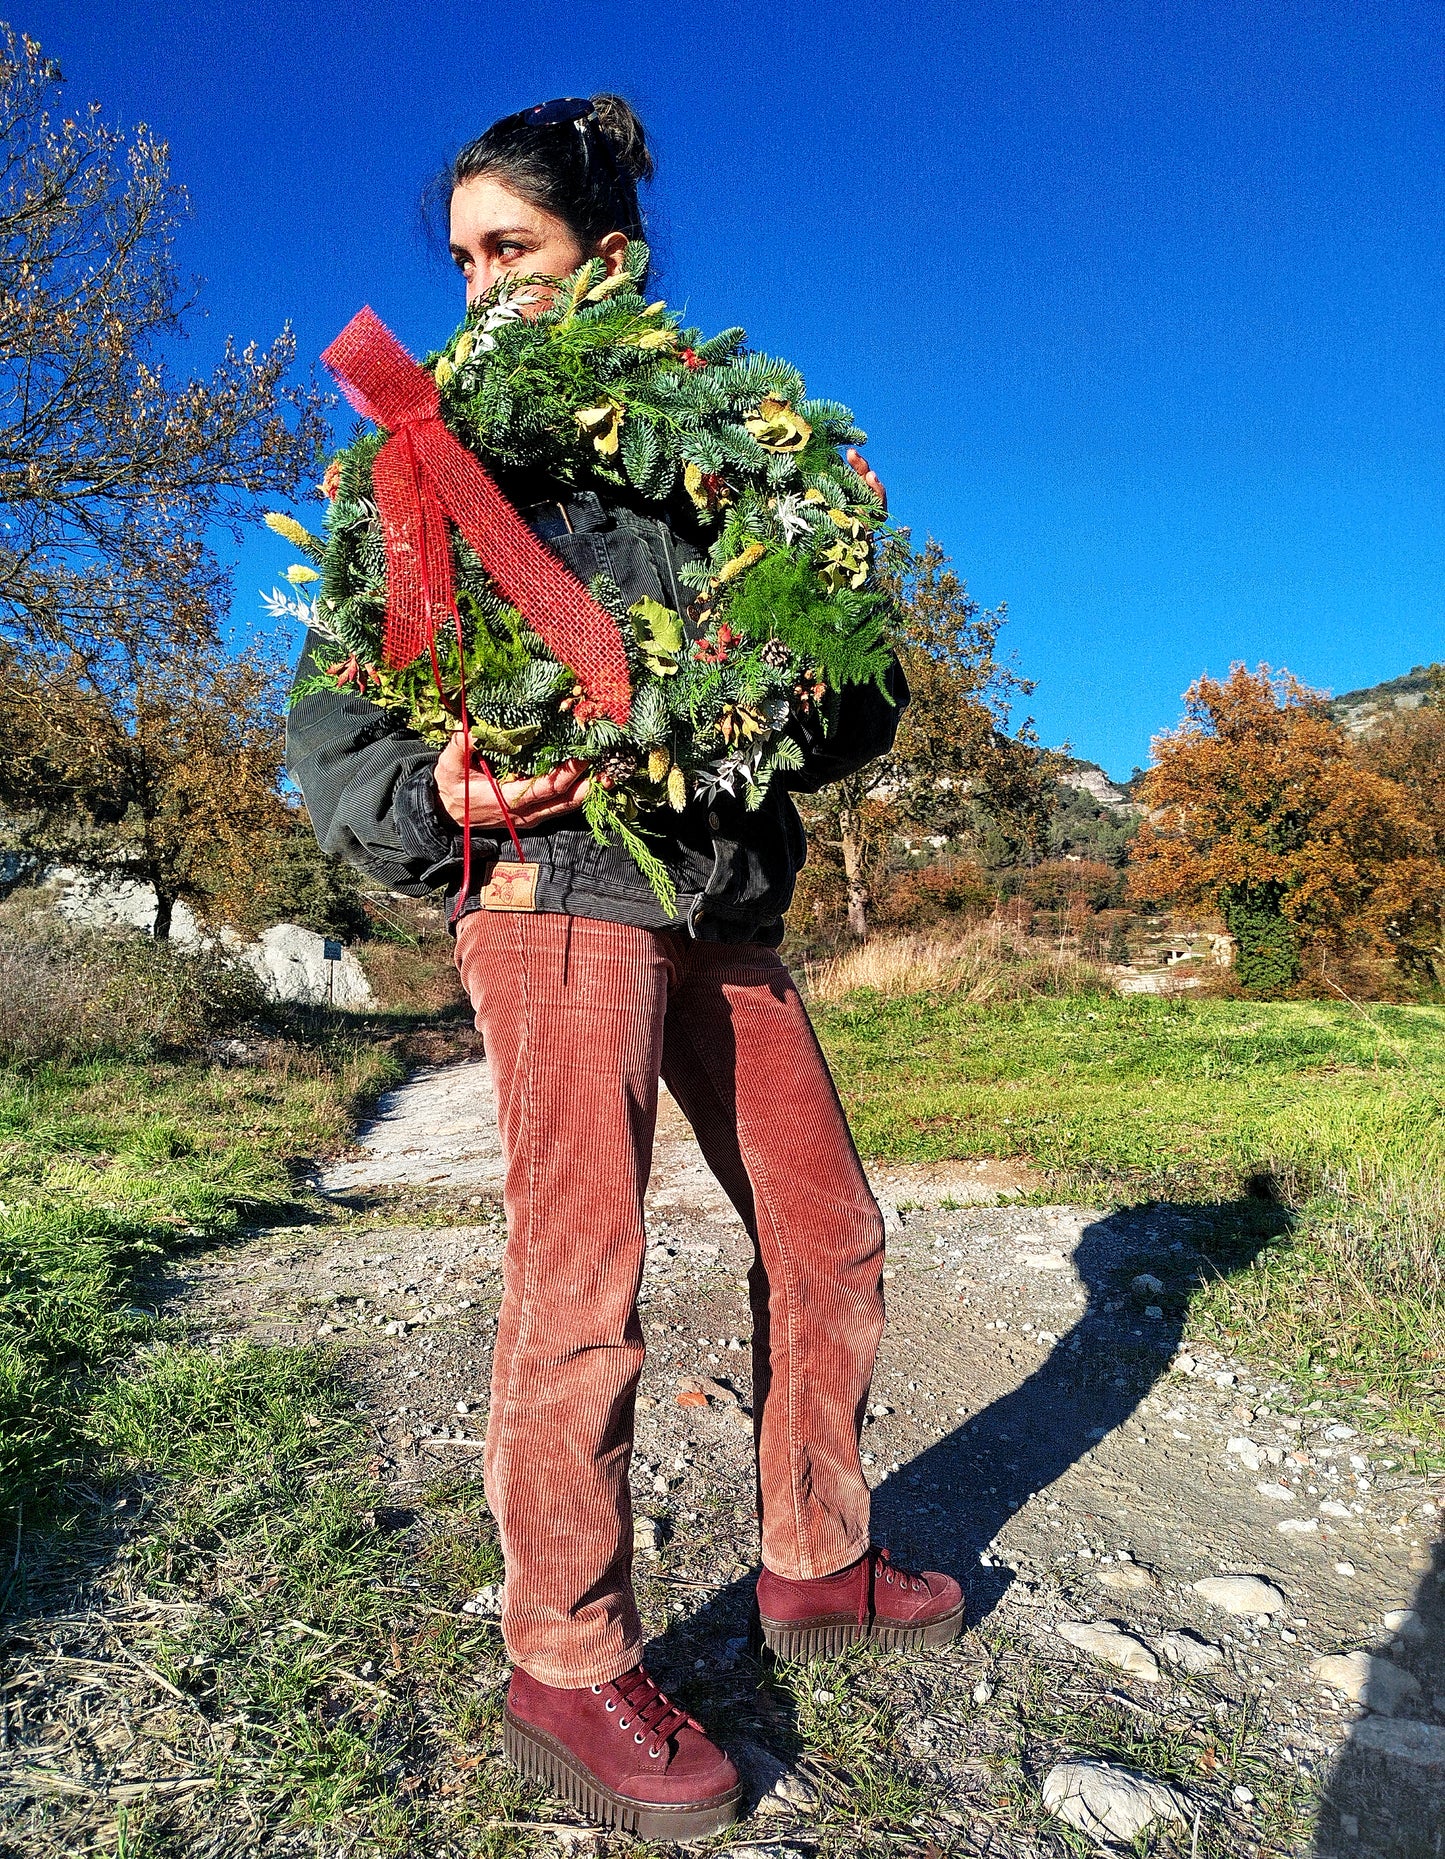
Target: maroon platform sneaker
x=868, y=1600
x=621, y=1754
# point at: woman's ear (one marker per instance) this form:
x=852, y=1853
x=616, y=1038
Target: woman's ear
x=613, y=252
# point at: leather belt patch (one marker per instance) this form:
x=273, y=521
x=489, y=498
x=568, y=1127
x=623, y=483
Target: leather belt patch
x=512, y=887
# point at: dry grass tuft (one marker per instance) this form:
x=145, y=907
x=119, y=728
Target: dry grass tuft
x=72, y=994
x=1357, y=1297
x=988, y=961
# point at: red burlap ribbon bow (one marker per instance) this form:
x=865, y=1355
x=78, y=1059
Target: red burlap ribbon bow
x=422, y=476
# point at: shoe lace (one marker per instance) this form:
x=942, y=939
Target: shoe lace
x=878, y=1562
x=646, y=1711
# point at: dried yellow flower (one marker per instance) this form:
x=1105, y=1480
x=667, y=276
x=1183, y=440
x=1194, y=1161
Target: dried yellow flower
x=295, y=533
x=740, y=564
x=609, y=287
x=777, y=428
x=602, y=425
x=705, y=488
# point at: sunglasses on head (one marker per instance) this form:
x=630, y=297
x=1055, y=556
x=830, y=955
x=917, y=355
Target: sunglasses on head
x=560, y=111
x=563, y=113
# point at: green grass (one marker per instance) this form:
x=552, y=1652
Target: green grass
x=1337, y=1111
x=107, y=1166
x=325, y=1642
x=320, y=1674
x=852, y=1761
x=1187, y=1744
x=328, y=1684
x=1176, y=1094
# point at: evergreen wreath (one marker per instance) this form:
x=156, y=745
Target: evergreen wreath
x=597, y=387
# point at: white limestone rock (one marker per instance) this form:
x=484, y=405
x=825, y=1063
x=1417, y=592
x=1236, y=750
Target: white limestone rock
x=1113, y=1647
x=1406, y=1625
x=1366, y=1678
x=290, y=963
x=1190, y=1652
x=1126, y=1578
x=648, y=1535
x=1241, y=1594
x=1109, y=1803
x=1413, y=1746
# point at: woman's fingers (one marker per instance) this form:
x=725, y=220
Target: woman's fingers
x=869, y=476
x=531, y=810
x=466, y=793
x=558, y=781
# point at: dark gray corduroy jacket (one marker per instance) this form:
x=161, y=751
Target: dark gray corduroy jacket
x=370, y=791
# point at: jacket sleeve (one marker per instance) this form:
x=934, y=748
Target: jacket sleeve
x=862, y=727
x=368, y=786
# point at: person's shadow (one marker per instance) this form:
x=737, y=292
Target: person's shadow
x=1384, y=1797
x=946, y=1506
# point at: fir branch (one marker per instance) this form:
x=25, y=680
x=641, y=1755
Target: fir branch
x=604, y=816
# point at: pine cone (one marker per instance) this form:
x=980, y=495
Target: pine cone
x=615, y=767
x=777, y=655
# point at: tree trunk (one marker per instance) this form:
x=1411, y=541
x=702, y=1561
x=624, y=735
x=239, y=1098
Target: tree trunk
x=165, y=905
x=852, y=845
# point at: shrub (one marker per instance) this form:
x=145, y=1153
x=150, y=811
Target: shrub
x=1062, y=882
x=949, y=888
x=299, y=883
x=69, y=994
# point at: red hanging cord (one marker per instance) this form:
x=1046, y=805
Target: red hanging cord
x=458, y=710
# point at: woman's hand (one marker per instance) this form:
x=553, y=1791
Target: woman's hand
x=869, y=476
x=533, y=800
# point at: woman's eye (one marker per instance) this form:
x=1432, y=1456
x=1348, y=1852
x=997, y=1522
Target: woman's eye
x=510, y=249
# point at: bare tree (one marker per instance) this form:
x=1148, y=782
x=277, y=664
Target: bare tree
x=114, y=473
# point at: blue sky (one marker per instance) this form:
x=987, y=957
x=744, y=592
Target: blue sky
x=1141, y=305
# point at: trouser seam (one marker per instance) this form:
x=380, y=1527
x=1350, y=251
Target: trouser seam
x=524, y=1135
x=763, y=1209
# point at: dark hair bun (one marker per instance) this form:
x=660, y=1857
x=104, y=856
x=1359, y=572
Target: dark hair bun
x=625, y=136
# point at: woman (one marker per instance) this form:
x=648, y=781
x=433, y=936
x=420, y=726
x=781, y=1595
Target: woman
x=585, y=998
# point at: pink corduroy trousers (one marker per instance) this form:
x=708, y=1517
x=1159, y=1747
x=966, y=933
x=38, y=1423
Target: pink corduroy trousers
x=580, y=1018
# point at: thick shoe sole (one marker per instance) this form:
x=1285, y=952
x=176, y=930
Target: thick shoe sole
x=542, y=1759
x=816, y=1639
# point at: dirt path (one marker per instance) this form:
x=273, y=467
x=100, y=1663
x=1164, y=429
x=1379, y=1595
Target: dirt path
x=1035, y=1427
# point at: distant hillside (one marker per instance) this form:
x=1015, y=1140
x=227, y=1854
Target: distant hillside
x=1090, y=779
x=1360, y=710
x=1094, y=818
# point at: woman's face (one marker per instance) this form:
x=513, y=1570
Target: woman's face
x=496, y=234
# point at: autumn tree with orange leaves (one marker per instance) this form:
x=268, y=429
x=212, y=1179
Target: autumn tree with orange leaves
x=1261, y=808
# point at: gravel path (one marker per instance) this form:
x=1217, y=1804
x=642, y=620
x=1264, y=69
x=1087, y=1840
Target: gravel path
x=1035, y=1427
